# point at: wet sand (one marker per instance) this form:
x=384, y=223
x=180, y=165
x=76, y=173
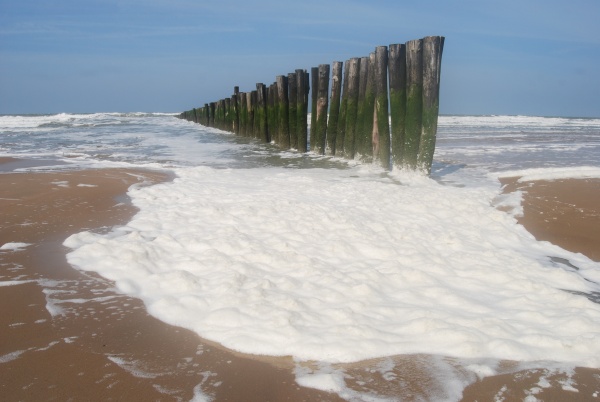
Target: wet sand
x=563, y=212
x=69, y=335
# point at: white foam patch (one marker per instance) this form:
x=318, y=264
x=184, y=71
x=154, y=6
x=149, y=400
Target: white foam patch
x=15, y=283
x=199, y=394
x=14, y=246
x=576, y=172
x=325, y=379
x=511, y=203
x=52, y=305
x=344, y=265
x=11, y=356
x=61, y=183
x=131, y=366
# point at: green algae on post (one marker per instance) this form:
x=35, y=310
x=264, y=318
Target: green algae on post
x=432, y=62
x=363, y=138
x=414, y=102
x=381, y=106
x=322, y=105
x=284, y=114
x=302, y=110
x=293, y=109
x=334, y=107
x=351, y=107
x=397, y=73
x=341, y=132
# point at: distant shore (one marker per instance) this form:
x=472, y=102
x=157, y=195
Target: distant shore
x=69, y=334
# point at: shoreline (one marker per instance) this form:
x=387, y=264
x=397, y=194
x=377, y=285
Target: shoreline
x=564, y=212
x=106, y=344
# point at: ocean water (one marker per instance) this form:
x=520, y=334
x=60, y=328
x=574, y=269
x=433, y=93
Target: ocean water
x=280, y=253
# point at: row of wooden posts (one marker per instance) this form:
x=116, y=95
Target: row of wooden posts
x=350, y=119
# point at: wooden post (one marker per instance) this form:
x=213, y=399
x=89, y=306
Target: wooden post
x=368, y=123
x=221, y=114
x=363, y=138
x=206, y=120
x=284, y=114
x=261, y=112
x=293, y=109
x=341, y=133
x=433, y=47
x=334, y=107
x=243, y=113
x=414, y=102
x=235, y=99
x=351, y=107
x=314, y=72
x=217, y=118
x=272, y=114
x=212, y=107
x=229, y=115
x=302, y=110
x=397, y=72
x=381, y=105
x=250, y=98
x=253, y=111
x=322, y=106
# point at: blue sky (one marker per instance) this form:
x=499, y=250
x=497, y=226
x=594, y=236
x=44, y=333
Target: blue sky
x=500, y=57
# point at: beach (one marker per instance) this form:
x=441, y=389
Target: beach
x=71, y=335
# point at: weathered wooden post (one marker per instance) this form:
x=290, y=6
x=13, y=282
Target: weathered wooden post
x=414, y=102
x=243, y=105
x=322, y=105
x=334, y=107
x=221, y=114
x=218, y=114
x=314, y=72
x=293, y=109
x=351, y=107
x=257, y=117
x=302, y=110
x=397, y=72
x=228, y=115
x=261, y=112
x=284, y=113
x=206, y=117
x=235, y=99
x=363, y=138
x=214, y=118
x=370, y=109
x=250, y=99
x=433, y=47
x=254, y=109
x=341, y=133
x=381, y=106
x=217, y=121
x=273, y=114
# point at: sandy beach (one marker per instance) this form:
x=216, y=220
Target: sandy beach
x=69, y=335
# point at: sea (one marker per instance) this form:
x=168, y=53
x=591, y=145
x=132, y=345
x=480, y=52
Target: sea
x=276, y=252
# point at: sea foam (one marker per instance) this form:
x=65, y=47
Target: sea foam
x=344, y=265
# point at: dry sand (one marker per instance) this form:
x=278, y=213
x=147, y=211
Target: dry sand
x=69, y=335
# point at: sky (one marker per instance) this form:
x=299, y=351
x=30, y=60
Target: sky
x=528, y=57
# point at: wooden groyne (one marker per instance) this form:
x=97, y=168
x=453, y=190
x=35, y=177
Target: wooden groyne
x=352, y=106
